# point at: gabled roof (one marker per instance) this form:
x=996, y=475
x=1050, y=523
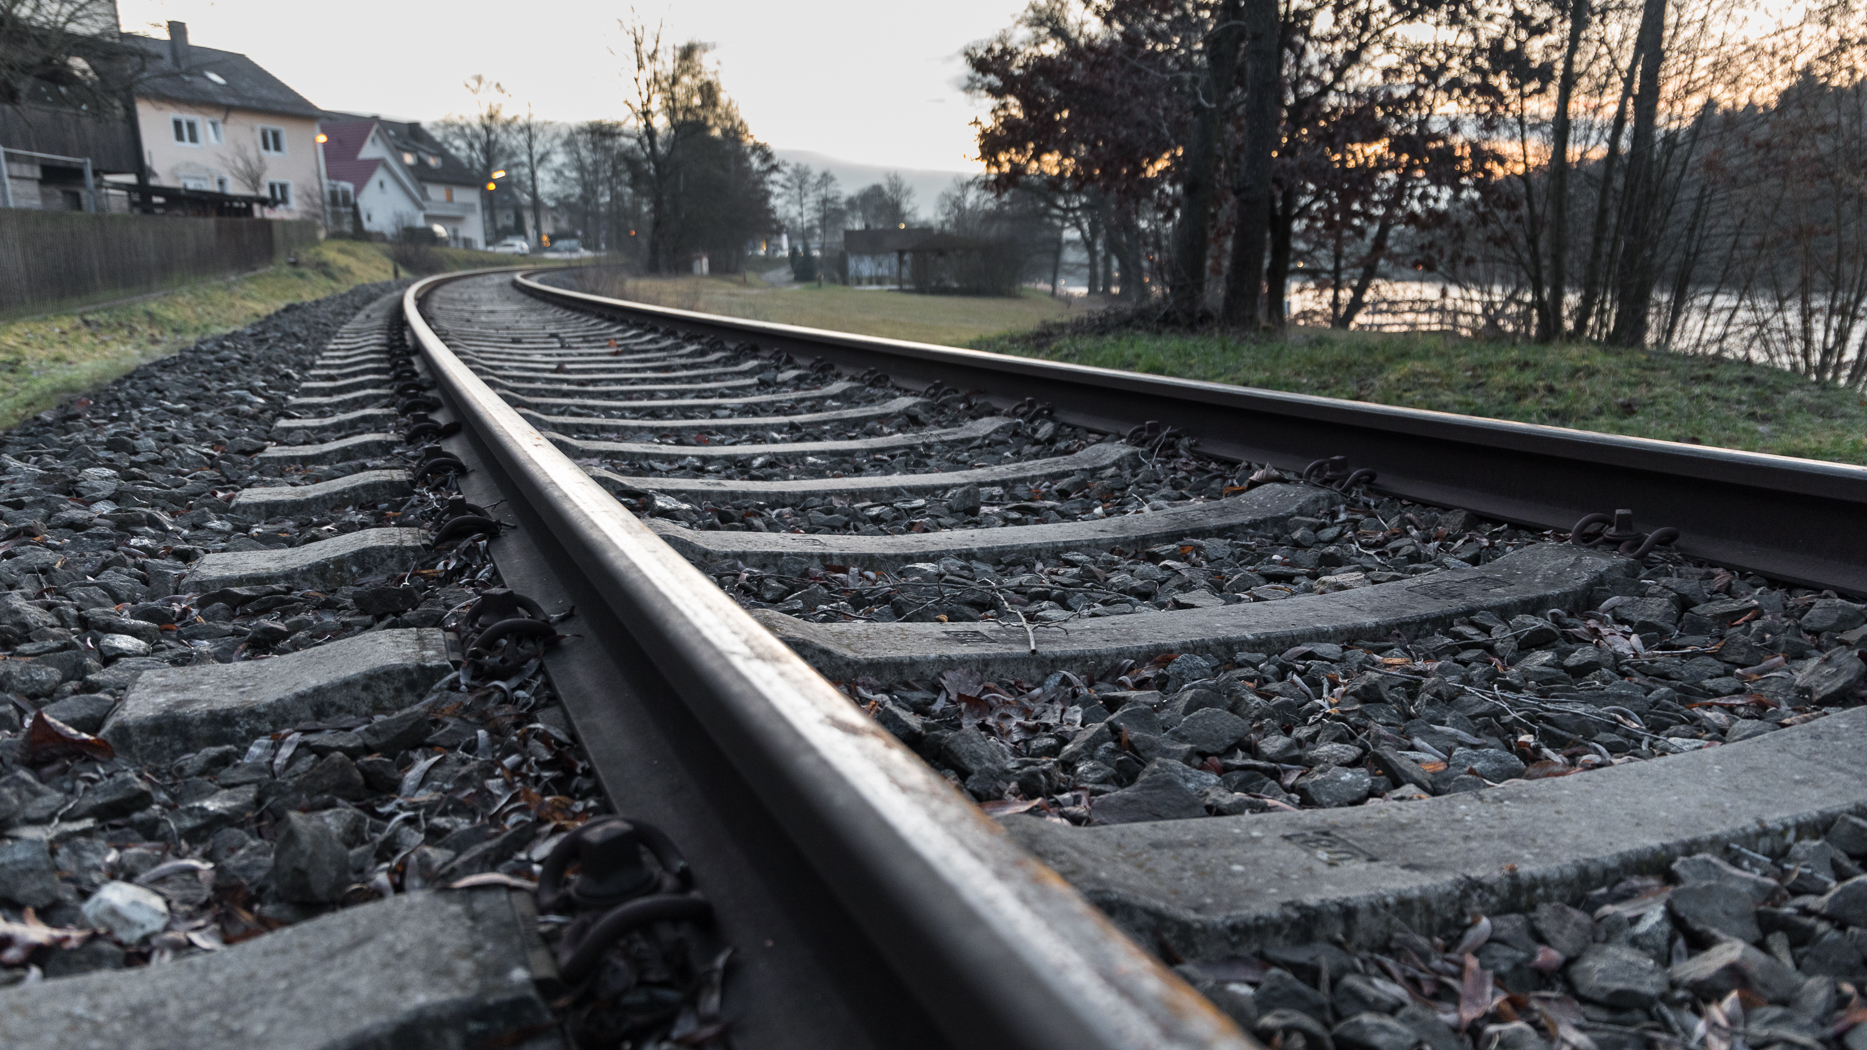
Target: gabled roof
x=414, y=138
x=247, y=86
x=345, y=140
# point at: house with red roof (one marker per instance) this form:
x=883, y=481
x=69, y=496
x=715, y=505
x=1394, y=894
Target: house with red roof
x=387, y=176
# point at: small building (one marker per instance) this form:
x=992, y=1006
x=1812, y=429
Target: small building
x=370, y=189
x=447, y=193
x=881, y=258
x=214, y=122
x=931, y=261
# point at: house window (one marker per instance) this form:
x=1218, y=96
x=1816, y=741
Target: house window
x=434, y=162
x=342, y=195
x=280, y=192
x=271, y=140
x=450, y=194
x=214, y=132
x=408, y=158
x=221, y=184
x=194, y=182
x=187, y=130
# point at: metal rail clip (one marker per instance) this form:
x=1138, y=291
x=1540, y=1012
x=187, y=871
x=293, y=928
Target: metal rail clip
x=465, y=519
x=1030, y=408
x=509, y=631
x=1333, y=473
x=613, y=876
x=437, y=460
x=1618, y=529
x=420, y=426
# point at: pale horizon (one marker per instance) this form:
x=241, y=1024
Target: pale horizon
x=872, y=86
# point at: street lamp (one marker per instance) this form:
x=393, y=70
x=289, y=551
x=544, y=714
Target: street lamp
x=489, y=224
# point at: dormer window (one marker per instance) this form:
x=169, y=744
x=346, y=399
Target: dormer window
x=434, y=162
x=408, y=158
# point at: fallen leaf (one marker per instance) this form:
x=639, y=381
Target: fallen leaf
x=1475, y=937
x=1005, y=807
x=47, y=738
x=18, y=940
x=491, y=878
x=1547, y=768
x=1475, y=996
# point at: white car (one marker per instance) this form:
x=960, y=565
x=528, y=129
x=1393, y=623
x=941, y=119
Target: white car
x=512, y=246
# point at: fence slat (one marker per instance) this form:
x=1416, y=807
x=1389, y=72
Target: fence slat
x=49, y=258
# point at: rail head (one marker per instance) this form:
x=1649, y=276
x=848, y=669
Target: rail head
x=1792, y=519
x=1003, y=950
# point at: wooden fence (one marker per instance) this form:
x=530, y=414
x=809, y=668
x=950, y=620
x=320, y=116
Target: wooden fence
x=53, y=259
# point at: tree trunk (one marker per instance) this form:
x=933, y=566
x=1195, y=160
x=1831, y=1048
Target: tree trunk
x=1056, y=265
x=1376, y=252
x=1599, y=241
x=1277, y=274
x=1084, y=223
x=1551, y=322
x=1125, y=241
x=1251, y=177
x=1186, y=276
x=1335, y=281
x=1634, y=290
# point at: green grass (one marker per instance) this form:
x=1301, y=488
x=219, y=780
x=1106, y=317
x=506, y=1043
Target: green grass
x=951, y=320
x=1588, y=387
x=46, y=359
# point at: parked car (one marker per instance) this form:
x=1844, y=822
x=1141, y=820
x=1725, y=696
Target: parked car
x=512, y=246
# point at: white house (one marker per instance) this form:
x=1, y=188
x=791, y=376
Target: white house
x=215, y=121
x=368, y=181
x=449, y=192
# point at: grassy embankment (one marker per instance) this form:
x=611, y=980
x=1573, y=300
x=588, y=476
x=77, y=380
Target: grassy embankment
x=952, y=320
x=45, y=359
x=1651, y=394
x=1588, y=387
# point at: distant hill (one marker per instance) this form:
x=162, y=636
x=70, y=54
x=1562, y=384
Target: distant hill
x=928, y=184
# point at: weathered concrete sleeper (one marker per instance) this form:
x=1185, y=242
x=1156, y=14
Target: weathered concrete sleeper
x=178, y=710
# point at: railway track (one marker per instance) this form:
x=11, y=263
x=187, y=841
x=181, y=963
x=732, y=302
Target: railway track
x=636, y=676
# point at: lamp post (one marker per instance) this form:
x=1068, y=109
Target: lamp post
x=489, y=221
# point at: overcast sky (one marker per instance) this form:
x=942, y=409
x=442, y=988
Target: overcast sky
x=875, y=83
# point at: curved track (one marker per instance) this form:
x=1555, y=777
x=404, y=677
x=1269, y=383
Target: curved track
x=885, y=887
x=933, y=497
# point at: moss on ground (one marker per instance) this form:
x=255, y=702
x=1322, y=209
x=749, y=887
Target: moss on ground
x=1642, y=393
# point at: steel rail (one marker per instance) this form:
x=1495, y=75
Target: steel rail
x=996, y=946
x=1795, y=520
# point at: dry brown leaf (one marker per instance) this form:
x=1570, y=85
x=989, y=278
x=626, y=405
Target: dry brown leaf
x=47, y=738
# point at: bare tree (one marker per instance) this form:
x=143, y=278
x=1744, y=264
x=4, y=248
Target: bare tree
x=1251, y=174
x=898, y=198
x=1635, y=292
x=796, y=183
x=62, y=51
x=248, y=168
x=1186, y=274
x=535, y=139
x=827, y=201
x=1550, y=318
x=483, y=138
